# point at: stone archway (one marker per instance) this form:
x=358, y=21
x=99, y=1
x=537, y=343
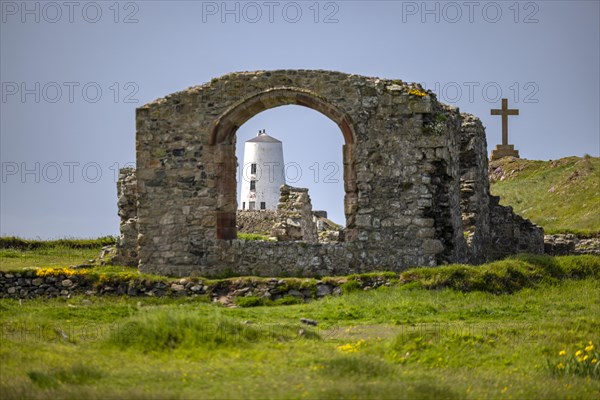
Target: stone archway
x=401, y=174
x=224, y=129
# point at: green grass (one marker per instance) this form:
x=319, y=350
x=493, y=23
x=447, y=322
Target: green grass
x=505, y=276
x=53, y=257
x=457, y=331
x=253, y=236
x=13, y=242
x=77, y=374
x=17, y=253
x=415, y=343
x=561, y=195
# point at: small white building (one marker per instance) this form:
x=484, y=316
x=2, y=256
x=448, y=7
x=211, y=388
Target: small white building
x=262, y=173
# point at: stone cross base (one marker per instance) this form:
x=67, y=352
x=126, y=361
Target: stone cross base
x=504, y=150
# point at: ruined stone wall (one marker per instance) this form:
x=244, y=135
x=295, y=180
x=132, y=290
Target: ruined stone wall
x=474, y=187
x=295, y=216
x=412, y=169
x=511, y=233
x=400, y=170
x=126, y=247
x=492, y=231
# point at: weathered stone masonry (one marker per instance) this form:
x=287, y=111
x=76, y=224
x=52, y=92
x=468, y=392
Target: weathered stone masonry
x=127, y=202
x=412, y=168
x=296, y=220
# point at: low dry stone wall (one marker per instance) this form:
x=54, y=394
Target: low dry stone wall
x=568, y=244
x=24, y=285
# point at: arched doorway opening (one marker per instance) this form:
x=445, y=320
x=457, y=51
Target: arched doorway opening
x=312, y=159
x=223, y=135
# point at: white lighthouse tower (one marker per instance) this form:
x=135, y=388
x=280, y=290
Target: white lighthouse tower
x=262, y=174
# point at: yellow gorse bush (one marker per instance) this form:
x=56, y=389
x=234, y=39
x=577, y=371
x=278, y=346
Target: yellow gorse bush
x=417, y=92
x=60, y=271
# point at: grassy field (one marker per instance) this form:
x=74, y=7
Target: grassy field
x=561, y=195
x=406, y=341
x=386, y=343
x=17, y=253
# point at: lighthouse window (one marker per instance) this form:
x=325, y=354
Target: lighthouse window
x=251, y=205
x=243, y=205
x=253, y=168
x=263, y=205
x=253, y=185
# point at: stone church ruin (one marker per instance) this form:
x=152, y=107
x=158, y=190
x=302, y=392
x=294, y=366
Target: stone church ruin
x=415, y=181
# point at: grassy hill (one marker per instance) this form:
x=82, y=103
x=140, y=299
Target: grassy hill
x=560, y=195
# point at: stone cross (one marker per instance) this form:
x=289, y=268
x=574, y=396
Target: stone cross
x=505, y=149
x=505, y=112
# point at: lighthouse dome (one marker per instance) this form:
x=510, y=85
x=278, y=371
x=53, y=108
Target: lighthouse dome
x=263, y=137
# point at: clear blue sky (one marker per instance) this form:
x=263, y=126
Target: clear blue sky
x=54, y=58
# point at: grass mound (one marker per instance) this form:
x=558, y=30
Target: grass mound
x=78, y=374
x=505, y=276
x=162, y=331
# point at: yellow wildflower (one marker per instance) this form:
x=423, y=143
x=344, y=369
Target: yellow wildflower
x=351, y=348
x=562, y=353
x=589, y=348
x=586, y=357
x=578, y=353
x=594, y=361
x=560, y=366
